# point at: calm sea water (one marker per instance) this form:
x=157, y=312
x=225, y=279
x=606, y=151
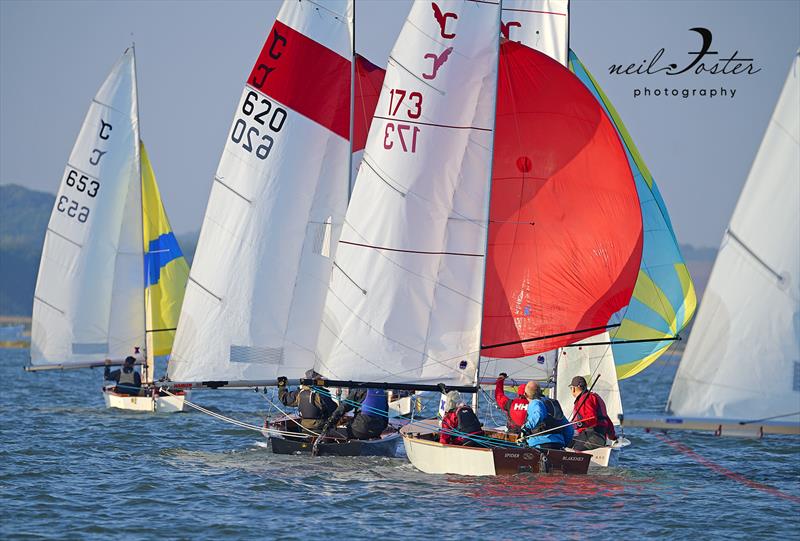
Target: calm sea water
x=70, y=469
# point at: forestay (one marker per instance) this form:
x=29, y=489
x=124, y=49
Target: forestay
x=404, y=303
x=258, y=282
x=743, y=357
x=88, y=301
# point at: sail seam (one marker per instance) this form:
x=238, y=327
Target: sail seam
x=408, y=251
x=414, y=75
x=380, y=176
x=435, y=125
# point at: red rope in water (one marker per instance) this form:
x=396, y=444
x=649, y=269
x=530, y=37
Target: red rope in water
x=724, y=471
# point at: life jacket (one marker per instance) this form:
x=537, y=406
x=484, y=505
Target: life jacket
x=307, y=407
x=375, y=403
x=127, y=379
x=468, y=422
x=518, y=411
x=555, y=417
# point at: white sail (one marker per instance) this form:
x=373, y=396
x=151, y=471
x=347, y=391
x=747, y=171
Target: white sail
x=539, y=24
x=258, y=281
x=89, y=304
x=404, y=303
x=596, y=364
x=743, y=357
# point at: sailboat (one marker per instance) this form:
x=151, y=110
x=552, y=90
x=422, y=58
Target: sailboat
x=408, y=297
x=663, y=301
x=740, y=373
x=259, y=278
x=111, y=276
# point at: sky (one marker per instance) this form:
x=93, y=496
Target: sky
x=193, y=58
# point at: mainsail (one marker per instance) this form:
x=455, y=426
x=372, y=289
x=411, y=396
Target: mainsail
x=664, y=298
x=404, y=303
x=88, y=303
x=258, y=281
x=742, y=361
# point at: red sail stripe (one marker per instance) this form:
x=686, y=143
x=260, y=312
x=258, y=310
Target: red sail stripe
x=305, y=76
x=565, y=236
x=369, y=80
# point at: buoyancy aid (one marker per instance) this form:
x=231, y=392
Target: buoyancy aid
x=127, y=379
x=307, y=407
x=468, y=422
x=518, y=411
x=375, y=403
x=555, y=416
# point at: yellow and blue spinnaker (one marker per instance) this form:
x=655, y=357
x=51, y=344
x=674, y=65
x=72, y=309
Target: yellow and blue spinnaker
x=165, y=269
x=664, y=299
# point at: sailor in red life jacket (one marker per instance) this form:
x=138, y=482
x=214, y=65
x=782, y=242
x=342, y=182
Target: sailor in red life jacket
x=516, y=409
x=459, y=419
x=592, y=432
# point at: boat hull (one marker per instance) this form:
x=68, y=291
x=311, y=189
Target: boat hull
x=429, y=456
x=159, y=404
x=285, y=444
x=719, y=427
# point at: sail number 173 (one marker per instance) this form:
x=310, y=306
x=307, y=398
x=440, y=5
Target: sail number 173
x=396, y=132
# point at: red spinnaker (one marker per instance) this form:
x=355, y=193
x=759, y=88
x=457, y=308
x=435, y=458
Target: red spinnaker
x=565, y=231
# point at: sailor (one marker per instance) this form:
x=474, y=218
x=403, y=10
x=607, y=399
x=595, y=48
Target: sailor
x=594, y=425
x=371, y=417
x=516, y=409
x=545, y=427
x=459, y=419
x=127, y=379
x=314, y=407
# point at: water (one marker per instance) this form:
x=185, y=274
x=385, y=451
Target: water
x=70, y=469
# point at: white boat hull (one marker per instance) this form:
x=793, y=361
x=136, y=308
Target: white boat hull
x=160, y=404
x=429, y=456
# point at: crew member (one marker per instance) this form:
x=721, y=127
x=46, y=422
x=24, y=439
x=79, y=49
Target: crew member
x=546, y=426
x=594, y=425
x=127, y=379
x=516, y=409
x=459, y=422
x=371, y=417
x=314, y=408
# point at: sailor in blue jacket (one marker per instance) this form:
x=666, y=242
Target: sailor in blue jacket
x=544, y=415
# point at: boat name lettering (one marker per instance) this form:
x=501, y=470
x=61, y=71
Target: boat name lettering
x=510, y=455
x=573, y=458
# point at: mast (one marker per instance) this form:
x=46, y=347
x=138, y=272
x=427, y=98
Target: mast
x=352, y=99
x=487, y=211
x=148, y=368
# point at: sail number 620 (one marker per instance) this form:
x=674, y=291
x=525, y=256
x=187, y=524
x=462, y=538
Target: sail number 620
x=251, y=135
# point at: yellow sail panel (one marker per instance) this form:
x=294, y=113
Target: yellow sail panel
x=166, y=270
